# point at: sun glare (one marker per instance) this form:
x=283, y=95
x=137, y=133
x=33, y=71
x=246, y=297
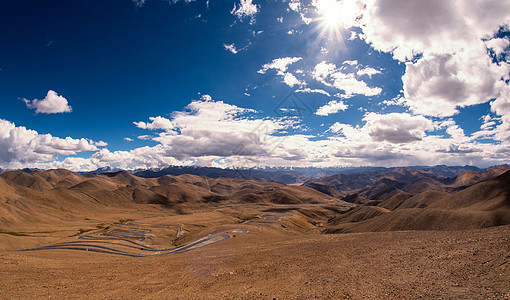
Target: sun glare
x=336, y=13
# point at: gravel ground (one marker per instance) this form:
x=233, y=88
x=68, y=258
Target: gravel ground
x=470, y=264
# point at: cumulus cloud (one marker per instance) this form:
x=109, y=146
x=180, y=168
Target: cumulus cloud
x=215, y=128
x=458, y=149
x=331, y=107
x=396, y=101
x=397, y=128
x=245, y=9
x=99, y=144
x=367, y=153
x=20, y=145
x=156, y=123
x=443, y=43
x=329, y=75
x=281, y=65
x=501, y=106
x=290, y=80
x=407, y=28
x=51, y=104
x=368, y=71
x=438, y=85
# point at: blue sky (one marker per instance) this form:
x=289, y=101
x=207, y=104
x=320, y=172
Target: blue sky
x=142, y=84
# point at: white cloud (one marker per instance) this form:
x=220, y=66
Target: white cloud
x=406, y=28
x=51, y=104
x=454, y=69
x=309, y=90
x=245, y=9
x=397, y=101
x=354, y=35
x=394, y=128
x=368, y=71
x=295, y=5
x=290, y=80
x=20, y=145
x=501, y=106
x=437, y=85
x=214, y=128
x=329, y=75
x=397, y=128
x=233, y=49
x=281, y=65
x=156, y=123
x=99, y=144
x=331, y=107
x=206, y=97
x=230, y=47
x=128, y=139
x=350, y=62
x=498, y=45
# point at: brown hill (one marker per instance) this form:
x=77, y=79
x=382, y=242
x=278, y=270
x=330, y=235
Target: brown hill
x=60, y=194
x=60, y=177
x=124, y=178
x=358, y=181
x=33, y=181
x=470, y=178
x=425, y=184
x=395, y=201
x=483, y=205
x=382, y=185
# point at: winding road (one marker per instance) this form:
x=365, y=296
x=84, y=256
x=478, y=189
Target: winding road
x=119, y=241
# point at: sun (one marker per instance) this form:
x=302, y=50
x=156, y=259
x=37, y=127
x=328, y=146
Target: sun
x=336, y=14
x=331, y=12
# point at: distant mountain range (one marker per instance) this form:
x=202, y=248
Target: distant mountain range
x=288, y=175
x=284, y=175
x=374, y=187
